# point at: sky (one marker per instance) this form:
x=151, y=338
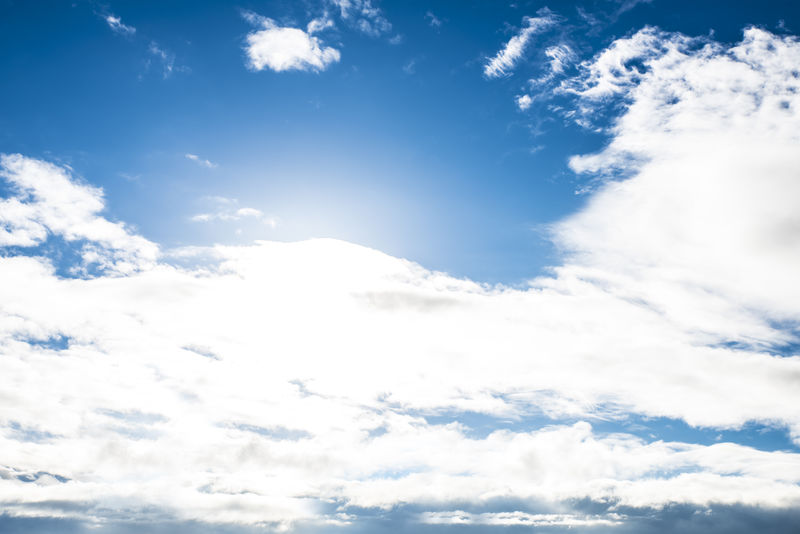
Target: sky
x=345, y=266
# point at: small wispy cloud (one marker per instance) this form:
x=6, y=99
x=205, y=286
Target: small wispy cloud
x=116, y=25
x=166, y=58
x=507, y=58
x=204, y=162
x=364, y=16
x=227, y=209
x=433, y=20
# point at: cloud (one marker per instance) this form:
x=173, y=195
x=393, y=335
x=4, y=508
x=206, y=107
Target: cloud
x=561, y=56
x=459, y=517
x=707, y=131
x=284, y=48
x=524, y=102
x=364, y=16
x=116, y=25
x=227, y=209
x=319, y=24
x=433, y=20
x=167, y=60
x=47, y=202
x=505, y=60
x=201, y=161
x=163, y=56
x=300, y=384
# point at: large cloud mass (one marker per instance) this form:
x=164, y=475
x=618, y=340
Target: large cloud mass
x=280, y=383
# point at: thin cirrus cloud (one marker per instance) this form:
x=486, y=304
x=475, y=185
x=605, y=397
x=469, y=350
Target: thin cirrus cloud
x=227, y=209
x=265, y=382
x=506, y=59
x=280, y=48
x=201, y=161
x=164, y=57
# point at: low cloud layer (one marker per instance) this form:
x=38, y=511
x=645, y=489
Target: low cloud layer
x=284, y=384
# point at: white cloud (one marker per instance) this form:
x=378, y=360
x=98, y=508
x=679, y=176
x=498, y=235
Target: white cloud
x=271, y=378
x=459, y=517
x=524, y=102
x=204, y=162
x=616, y=69
x=433, y=20
x=46, y=202
x=364, y=16
x=560, y=56
x=708, y=224
x=116, y=25
x=227, y=209
x=285, y=48
x=167, y=59
x=319, y=24
x=505, y=60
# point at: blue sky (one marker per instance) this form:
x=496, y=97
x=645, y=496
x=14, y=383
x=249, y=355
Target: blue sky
x=392, y=142
x=347, y=265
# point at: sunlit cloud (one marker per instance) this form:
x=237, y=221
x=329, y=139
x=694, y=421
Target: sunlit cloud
x=285, y=384
x=284, y=48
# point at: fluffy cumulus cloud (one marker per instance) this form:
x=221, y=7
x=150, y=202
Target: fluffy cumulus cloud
x=281, y=48
x=711, y=212
x=506, y=59
x=524, y=102
x=283, y=384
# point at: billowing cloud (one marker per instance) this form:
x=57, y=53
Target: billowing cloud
x=47, y=203
x=289, y=383
x=506, y=59
x=708, y=225
x=284, y=48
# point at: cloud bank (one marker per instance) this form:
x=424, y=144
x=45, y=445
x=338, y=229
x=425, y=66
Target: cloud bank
x=286, y=384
